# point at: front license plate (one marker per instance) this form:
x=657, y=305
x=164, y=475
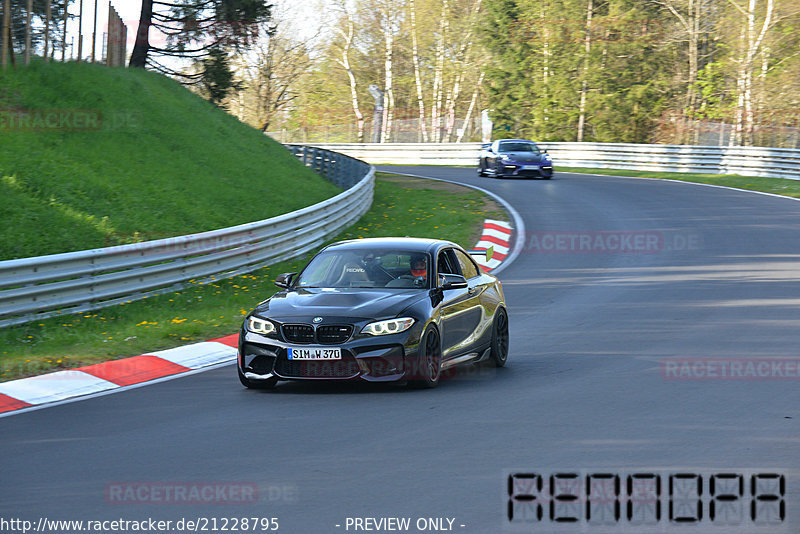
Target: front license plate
x=315, y=353
x=529, y=167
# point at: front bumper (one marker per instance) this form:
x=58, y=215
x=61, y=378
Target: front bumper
x=524, y=170
x=372, y=359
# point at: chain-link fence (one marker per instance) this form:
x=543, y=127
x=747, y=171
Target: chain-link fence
x=399, y=131
x=769, y=131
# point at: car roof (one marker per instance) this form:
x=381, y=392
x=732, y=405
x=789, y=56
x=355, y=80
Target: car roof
x=409, y=244
x=517, y=140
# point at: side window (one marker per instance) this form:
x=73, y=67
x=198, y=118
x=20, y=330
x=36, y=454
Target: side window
x=445, y=264
x=468, y=268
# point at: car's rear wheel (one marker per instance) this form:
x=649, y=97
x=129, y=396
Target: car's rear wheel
x=481, y=169
x=256, y=384
x=500, y=338
x=429, y=360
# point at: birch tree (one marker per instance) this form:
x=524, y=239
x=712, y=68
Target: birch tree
x=412, y=11
x=438, y=73
x=389, y=22
x=587, y=48
x=754, y=32
x=347, y=36
x=463, y=62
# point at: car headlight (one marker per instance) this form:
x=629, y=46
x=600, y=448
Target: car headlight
x=390, y=326
x=260, y=326
x=505, y=157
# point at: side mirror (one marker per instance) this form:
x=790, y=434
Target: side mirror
x=284, y=280
x=452, y=281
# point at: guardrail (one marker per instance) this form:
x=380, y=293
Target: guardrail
x=45, y=286
x=747, y=161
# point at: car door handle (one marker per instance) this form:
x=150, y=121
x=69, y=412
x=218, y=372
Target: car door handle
x=472, y=290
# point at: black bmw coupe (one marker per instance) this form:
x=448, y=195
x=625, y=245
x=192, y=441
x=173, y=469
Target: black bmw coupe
x=376, y=310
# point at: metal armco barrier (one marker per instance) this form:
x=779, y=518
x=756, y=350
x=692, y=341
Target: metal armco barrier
x=747, y=161
x=45, y=286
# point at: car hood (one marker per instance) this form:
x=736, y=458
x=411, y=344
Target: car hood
x=302, y=304
x=526, y=157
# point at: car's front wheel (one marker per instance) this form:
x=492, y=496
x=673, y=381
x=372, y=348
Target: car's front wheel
x=256, y=384
x=429, y=360
x=481, y=169
x=500, y=338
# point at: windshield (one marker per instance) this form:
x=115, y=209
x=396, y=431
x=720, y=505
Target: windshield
x=518, y=146
x=366, y=268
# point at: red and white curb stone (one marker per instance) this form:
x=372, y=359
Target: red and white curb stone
x=61, y=385
x=115, y=374
x=497, y=238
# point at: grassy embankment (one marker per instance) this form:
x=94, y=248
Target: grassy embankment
x=164, y=163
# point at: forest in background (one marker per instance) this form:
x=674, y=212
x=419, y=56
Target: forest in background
x=714, y=72
x=711, y=72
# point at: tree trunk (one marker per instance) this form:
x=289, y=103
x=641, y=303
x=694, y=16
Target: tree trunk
x=744, y=115
x=438, y=76
x=423, y=132
x=471, y=107
x=452, y=97
x=462, y=64
x=694, y=50
x=47, y=15
x=28, y=31
x=64, y=34
x=546, y=53
x=388, y=96
x=142, y=44
x=80, y=30
x=737, y=123
x=11, y=47
x=690, y=22
x=345, y=62
x=6, y=31
x=587, y=48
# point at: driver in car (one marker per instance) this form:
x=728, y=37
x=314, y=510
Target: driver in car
x=419, y=269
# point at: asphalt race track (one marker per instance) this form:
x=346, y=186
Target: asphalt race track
x=611, y=352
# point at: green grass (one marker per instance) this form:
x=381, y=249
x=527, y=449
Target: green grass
x=778, y=186
x=162, y=162
x=400, y=207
